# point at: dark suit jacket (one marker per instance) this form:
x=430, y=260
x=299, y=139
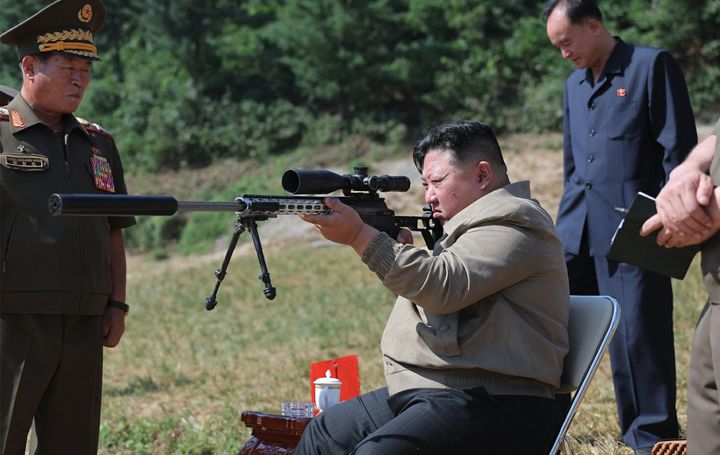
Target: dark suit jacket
x=622, y=135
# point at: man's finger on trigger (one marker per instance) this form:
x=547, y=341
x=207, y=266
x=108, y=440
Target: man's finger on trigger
x=333, y=203
x=310, y=218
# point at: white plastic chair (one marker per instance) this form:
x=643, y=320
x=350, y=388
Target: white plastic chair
x=591, y=325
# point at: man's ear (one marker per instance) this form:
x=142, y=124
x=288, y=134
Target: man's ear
x=593, y=25
x=28, y=64
x=484, y=173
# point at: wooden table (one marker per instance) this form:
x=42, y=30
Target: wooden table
x=272, y=434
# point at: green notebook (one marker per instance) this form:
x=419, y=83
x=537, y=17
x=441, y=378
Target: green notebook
x=629, y=246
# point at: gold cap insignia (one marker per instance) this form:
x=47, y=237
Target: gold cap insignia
x=85, y=13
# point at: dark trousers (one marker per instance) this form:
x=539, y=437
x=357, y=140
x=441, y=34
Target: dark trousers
x=642, y=352
x=50, y=371
x=703, y=410
x=432, y=421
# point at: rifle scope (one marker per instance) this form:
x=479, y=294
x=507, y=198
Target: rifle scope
x=300, y=181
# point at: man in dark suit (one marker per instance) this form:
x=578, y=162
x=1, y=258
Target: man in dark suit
x=627, y=123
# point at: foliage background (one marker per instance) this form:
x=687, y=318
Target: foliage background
x=184, y=83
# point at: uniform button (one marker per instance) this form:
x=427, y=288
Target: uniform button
x=590, y=159
x=588, y=185
x=592, y=133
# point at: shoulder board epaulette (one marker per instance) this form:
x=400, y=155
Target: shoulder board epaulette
x=4, y=114
x=92, y=127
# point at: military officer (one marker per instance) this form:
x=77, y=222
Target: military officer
x=62, y=280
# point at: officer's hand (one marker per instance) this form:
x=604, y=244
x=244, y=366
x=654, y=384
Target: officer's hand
x=682, y=205
x=113, y=326
x=666, y=237
x=676, y=239
x=343, y=225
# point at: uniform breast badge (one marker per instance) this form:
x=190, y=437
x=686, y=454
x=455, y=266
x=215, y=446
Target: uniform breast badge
x=24, y=160
x=102, y=173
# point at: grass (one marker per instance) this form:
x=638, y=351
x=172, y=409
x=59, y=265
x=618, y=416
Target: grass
x=181, y=376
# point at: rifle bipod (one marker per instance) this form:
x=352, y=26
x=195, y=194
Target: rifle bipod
x=241, y=226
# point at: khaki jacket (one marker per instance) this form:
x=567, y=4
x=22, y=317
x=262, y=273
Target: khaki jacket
x=52, y=264
x=488, y=307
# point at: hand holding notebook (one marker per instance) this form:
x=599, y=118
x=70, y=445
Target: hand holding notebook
x=644, y=252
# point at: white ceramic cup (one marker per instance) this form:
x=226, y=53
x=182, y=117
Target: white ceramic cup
x=327, y=392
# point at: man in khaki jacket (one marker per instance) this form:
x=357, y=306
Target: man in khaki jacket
x=474, y=346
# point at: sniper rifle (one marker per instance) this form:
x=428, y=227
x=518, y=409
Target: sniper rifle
x=360, y=192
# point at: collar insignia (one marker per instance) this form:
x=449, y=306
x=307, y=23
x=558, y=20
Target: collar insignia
x=17, y=120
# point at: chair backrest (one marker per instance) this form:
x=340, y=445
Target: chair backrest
x=591, y=325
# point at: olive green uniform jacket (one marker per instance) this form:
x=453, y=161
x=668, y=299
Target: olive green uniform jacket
x=711, y=248
x=53, y=264
x=703, y=394
x=488, y=307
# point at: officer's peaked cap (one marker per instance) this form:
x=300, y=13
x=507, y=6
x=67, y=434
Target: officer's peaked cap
x=64, y=26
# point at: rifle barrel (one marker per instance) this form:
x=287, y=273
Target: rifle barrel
x=130, y=205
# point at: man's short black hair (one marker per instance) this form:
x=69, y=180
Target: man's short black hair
x=465, y=139
x=577, y=11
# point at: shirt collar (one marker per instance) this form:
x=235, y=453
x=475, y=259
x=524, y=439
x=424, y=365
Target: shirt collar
x=615, y=64
x=518, y=189
x=22, y=116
